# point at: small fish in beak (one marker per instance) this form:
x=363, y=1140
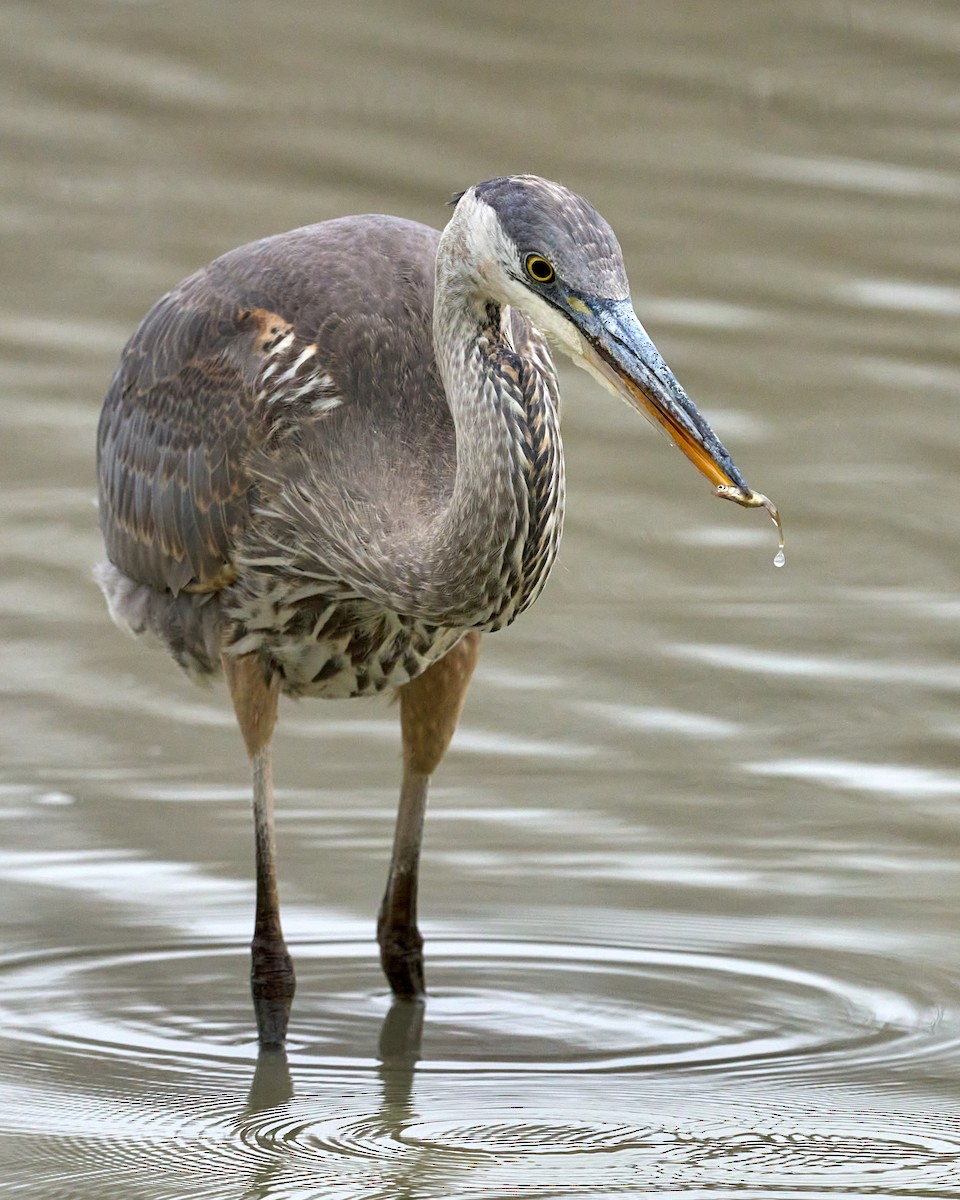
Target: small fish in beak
x=755, y=500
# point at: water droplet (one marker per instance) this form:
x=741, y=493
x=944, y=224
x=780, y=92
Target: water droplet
x=755, y=500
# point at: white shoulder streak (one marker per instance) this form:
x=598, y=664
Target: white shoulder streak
x=291, y=371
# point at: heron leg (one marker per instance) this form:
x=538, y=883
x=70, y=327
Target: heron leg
x=430, y=707
x=254, y=693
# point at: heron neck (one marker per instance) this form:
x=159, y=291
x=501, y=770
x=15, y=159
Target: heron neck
x=495, y=543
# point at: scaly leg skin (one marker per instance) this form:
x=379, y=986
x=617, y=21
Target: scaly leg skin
x=272, y=981
x=430, y=707
x=401, y=946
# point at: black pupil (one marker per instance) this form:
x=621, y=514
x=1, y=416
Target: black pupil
x=540, y=269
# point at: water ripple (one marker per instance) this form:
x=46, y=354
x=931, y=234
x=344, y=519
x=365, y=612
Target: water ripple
x=294, y=1152
x=495, y=1006
x=818, y=666
x=891, y=779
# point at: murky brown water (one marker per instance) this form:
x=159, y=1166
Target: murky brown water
x=692, y=873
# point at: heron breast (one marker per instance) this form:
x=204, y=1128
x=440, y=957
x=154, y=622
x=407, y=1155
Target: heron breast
x=335, y=649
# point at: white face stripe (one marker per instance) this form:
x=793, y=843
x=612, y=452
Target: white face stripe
x=486, y=247
x=558, y=329
x=485, y=236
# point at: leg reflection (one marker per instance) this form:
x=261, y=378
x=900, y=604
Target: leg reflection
x=271, y=1087
x=271, y=1084
x=399, y=1053
x=277, y=1136
x=401, y=1034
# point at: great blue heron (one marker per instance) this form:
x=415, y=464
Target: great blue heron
x=331, y=459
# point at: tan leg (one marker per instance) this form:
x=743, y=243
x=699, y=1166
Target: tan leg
x=430, y=707
x=272, y=982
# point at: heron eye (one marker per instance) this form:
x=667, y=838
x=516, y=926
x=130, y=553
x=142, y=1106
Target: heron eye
x=539, y=269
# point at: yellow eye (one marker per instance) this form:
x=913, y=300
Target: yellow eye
x=539, y=269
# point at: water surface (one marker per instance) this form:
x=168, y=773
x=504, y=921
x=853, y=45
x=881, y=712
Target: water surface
x=692, y=867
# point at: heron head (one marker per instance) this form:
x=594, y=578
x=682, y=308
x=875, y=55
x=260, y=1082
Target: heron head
x=539, y=247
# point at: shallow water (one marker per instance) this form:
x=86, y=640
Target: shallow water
x=693, y=864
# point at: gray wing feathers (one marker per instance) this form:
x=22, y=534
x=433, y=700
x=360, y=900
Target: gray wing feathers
x=195, y=414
